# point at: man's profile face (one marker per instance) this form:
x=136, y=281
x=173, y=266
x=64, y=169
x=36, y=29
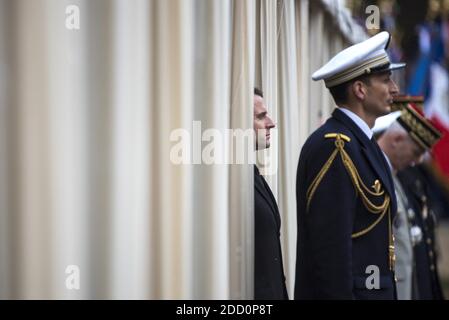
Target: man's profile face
x=380, y=91
x=262, y=123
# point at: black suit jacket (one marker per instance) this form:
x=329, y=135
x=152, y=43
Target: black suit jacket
x=330, y=263
x=269, y=279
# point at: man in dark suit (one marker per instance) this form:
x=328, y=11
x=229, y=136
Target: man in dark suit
x=345, y=193
x=269, y=279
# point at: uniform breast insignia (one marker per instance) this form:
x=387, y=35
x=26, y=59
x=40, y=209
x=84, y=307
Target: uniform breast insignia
x=377, y=186
x=376, y=190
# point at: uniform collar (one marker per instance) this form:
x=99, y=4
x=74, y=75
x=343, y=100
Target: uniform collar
x=358, y=121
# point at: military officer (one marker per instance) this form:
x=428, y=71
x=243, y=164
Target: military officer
x=344, y=189
x=408, y=135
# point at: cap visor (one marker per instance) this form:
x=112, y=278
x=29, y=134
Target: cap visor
x=394, y=66
x=388, y=67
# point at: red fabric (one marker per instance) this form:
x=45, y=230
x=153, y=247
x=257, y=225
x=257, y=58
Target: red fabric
x=441, y=149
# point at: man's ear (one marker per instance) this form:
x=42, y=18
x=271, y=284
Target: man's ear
x=359, y=89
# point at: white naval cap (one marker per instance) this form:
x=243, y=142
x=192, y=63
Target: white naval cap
x=366, y=57
x=384, y=122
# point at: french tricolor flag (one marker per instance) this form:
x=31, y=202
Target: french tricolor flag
x=437, y=109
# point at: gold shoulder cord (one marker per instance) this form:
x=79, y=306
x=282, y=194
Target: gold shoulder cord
x=361, y=189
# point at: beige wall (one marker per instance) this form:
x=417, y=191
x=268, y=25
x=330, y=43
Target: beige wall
x=85, y=121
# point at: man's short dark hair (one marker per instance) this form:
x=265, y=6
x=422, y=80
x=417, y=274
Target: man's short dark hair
x=340, y=92
x=258, y=92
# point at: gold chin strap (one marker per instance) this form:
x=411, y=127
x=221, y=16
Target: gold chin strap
x=362, y=190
